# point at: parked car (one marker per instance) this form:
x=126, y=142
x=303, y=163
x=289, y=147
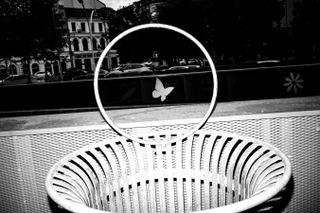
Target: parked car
x=183, y=67
x=133, y=69
x=90, y=76
x=103, y=72
x=112, y=74
x=15, y=80
x=180, y=67
x=71, y=74
x=41, y=76
x=3, y=74
x=270, y=61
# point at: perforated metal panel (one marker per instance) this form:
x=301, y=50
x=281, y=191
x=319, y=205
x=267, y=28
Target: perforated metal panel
x=26, y=156
x=11, y=190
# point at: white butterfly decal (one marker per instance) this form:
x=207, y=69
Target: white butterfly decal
x=160, y=91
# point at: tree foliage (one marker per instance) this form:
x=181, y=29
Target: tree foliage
x=127, y=17
x=227, y=28
x=237, y=29
x=306, y=36
x=31, y=28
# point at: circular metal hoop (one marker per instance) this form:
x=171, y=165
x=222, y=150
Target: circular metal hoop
x=161, y=26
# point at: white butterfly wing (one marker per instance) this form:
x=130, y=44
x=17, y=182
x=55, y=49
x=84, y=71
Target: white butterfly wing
x=159, y=85
x=167, y=91
x=156, y=94
x=160, y=91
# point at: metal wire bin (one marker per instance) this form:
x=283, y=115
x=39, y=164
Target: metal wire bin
x=202, y=172
x=170, y=171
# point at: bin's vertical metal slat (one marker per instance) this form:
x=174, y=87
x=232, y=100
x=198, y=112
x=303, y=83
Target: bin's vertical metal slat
x=152, y=191
x=197, y=162
x=143, y=179
x=131, y=160
x=188, y=167
x=180, y=197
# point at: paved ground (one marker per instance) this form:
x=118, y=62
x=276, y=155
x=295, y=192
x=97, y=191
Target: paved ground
x=159, y=113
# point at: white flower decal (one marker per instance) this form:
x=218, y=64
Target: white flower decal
x=293, y=83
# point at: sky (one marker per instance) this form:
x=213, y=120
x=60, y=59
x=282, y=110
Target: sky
x=116, y=4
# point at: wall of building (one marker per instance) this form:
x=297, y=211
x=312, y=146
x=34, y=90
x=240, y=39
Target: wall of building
x=18, y=66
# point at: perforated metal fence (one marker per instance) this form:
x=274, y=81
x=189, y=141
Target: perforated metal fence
x=26, y=156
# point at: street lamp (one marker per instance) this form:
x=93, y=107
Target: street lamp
x=93, y=64
x=92, y=50
x=105, y=31
x=102, y=15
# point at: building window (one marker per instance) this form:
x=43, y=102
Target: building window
x=63, y=66
x=78, y=63
x=87, y=64
x=114, y=62
x=25, y=69
x=48, y=67
x=83, y=27
x=73, y=27
x=13, y=70
x=94, y=43
x=35, y=68
x=75, y=44
x=100, y=27
x=105, y=64
x=102, y=43
x=56, y=68
x=85, y=44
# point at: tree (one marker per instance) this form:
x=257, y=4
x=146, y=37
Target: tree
x=30, y=28
x=235, y=30
x=260, y=24
x=105, y=14
x=127, y=17
x=227, y=28
x=305, y=33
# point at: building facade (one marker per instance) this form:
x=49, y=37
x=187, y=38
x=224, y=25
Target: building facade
x=84, y=43
x=87, y=36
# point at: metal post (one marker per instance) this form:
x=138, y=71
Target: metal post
x=107, y=42
x=93, y=63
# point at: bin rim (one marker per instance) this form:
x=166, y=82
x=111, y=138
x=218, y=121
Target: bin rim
x=212, y=105
x=239, y=206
